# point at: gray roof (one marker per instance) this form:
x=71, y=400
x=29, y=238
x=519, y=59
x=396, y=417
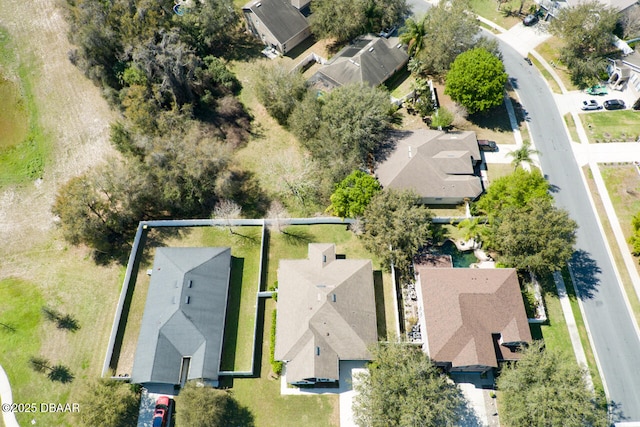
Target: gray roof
x=184, y=315
x=433, y=164
x=280, y=17
x=369, y=59
x=326, y=313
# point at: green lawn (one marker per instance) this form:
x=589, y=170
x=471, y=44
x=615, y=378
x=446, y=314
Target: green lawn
x=550, y=51
x=553, y=84
x=571, y=125
x=507, y=16
x=612, y=126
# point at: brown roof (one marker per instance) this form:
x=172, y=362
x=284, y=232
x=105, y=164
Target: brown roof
x=326, y=313
x=433, y=164
x=464, y=307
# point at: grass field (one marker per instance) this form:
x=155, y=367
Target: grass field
x=507, y=16
x=550, y=51
x=612, y=126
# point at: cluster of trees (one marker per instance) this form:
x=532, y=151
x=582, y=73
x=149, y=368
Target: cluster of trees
x=587, y=32
x=524, y=227
x=203, y=406
x=109, y=403
x=344, y=20
x=547, y=388
x=182, y=120
x=353, y=194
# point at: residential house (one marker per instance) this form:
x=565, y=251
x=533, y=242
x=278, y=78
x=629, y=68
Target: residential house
x=473, y=318
x=441, y=168
x=326, y=314
x=368, y=59
x=184, y=315
x=278, y=23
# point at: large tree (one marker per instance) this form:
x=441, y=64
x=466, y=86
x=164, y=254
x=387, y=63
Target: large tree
x=413, y=34
x=403, y=388
x=547, y=388
x=108, y=403
x=198, y=406
x=476, y=80
x=587, y=32
x=279, y=90
x=537, y=237
x=396, y=226
x=353, y=194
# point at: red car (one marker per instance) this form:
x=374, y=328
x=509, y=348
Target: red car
x=161, y=414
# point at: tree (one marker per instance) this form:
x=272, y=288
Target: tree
x=279, y=90
x=227, y=210
x=109, y=403
x=546, y=388
x=413, y=34
x=278, y=212
x=587, y=32
x=450, y=30
x=515, y=190
x=441, y=119
x=207, y=407
x=396, y=227
x=476, y=80
x=353, y=194
x=403, y=388
x=523, y=155
x=537, y=237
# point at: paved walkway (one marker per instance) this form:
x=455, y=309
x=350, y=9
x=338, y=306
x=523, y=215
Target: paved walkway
x=6, y=397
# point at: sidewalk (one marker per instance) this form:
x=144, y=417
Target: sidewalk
x=6, y=397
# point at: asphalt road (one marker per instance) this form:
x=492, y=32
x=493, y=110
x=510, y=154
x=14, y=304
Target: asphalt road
x=615, y=339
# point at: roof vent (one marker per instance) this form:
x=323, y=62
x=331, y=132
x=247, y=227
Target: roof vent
x=187, y=300
x=409, y=151
x=257, y=4
x=371, y=49
x=333, y=297
x=317, y=351
x=190, y=283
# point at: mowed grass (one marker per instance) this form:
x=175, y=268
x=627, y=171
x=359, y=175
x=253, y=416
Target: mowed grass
x=270, y=409
x=507, y=16
x=24, y=159
x=553, y=84
x=612, y=126
x=550, y=51
x=571, y=125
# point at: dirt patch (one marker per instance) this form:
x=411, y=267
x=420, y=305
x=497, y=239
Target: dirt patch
x=72, y=113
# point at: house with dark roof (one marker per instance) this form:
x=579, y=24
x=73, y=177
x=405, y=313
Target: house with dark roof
x=369, y=59
x=441, y=168
x=280, y=24
x=326, y=314
x=183, y=322
x=474, y=318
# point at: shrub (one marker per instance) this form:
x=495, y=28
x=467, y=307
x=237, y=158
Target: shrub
x=276, y=365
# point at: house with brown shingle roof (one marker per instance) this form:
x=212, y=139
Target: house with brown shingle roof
x=442, y=168
x=326, y=313
x=474, y=317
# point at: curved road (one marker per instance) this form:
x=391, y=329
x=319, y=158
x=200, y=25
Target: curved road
x=614, y=336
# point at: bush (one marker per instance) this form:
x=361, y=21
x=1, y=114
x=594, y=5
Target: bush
x=276, y=365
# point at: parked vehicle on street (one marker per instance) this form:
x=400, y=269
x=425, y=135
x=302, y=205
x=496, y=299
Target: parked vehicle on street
x=486, y=145
x=591, y=104
x=614, y=104
x=161, y=413
x=530, y=20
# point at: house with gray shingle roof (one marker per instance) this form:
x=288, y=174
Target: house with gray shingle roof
x=278, y=23
x=326, y=314
x=183, y=322
x=474, y=317
x=441, y=168
x=368, y=59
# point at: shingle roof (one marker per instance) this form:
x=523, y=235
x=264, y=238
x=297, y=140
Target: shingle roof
x=433, y=164
x=184, y=315
x=282, y=19
x=463, y=307
x=369, y=59
x=326, y=313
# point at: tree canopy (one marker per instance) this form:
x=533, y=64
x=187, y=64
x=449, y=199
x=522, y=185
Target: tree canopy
x=523, y=155
x=279, y=90
x=209, y=407
x=109, y=403
x=587, y=32
x=476, y=80
x=403, y=388
x=547, y=388
x=396, y=226
x=353, y=194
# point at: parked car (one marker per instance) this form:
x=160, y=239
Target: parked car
x=486, y=145
x=530, y=20
x=597, y=90
x=614, y=104
x=591, y=104
x=161, y=413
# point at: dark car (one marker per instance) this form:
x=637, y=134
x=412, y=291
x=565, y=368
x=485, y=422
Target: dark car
x=486, y=145
x=591, y=104
x=161, y=412
x=614, y=104
x=530, y=20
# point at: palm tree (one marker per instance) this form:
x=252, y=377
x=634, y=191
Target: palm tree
x=523, y=155
x=413, y=34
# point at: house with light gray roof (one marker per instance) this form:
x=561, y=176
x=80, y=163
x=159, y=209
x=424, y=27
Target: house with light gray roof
x=442, y=168
x=183, y=322
x=326, y=314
